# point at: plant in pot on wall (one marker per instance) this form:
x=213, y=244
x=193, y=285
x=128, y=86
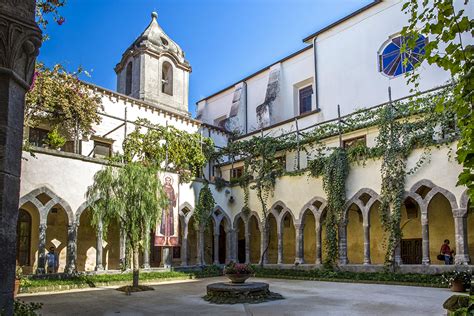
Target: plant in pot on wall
x=458, y=280
x=238, y=272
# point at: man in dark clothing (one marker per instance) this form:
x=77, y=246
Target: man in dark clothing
x=447, y=252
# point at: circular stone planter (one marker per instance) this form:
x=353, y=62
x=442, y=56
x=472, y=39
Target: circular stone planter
x=235, y=293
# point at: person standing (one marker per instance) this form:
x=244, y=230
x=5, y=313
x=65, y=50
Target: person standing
x=446, y=252
x=52, y=261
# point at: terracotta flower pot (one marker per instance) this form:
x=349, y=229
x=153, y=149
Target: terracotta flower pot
x=237, y=278
x=17, y=288
x=458, y=286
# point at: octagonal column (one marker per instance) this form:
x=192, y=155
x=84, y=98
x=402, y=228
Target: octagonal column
x=184, y=246
x=319, y=253
x=21, y=39
x=263, y=245
x=280, y=244
x=367, y=244
x=99, y=248
x=425, y=235
x=343, y=243
x=460, y=233
x=216, y=247
x=71, y=256
x=299, y=243
x=41, y=249
x=247, y=242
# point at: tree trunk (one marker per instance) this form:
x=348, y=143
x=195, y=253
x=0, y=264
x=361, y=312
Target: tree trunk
x=136, y=267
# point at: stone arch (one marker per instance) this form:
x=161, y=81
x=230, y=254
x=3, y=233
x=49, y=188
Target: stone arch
x=464, y=200
x=358, y=199
x=447, y=194
x=313, y=207
x=44, y=210
x=186, y=215
x=278, y=208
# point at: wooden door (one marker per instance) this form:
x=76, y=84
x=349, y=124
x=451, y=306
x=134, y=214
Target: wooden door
x=411, y=251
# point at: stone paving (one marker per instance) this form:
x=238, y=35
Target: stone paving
x=301, y=298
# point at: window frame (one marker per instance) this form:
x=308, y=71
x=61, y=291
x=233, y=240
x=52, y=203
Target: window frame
x=300, y=90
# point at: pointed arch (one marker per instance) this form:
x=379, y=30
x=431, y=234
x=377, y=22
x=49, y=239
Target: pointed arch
x=316, y=206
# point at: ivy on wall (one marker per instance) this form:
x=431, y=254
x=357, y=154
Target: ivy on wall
x=403, y=127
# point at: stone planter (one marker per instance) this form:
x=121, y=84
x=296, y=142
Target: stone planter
x=458, y=286
x=16, y=288
x=238, y=278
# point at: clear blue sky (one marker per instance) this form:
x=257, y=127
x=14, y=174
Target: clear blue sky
x=224, y=40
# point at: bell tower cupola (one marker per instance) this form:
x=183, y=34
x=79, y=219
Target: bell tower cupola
x=153, y=69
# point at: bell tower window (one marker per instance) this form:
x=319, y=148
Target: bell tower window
x=128, y=79
x=167, y=78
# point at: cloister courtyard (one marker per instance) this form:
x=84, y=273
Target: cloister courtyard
x=300, y=298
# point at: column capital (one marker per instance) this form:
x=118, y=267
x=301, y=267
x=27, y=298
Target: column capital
x=460, y=212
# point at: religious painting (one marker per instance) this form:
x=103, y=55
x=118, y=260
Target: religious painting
x=167, y=231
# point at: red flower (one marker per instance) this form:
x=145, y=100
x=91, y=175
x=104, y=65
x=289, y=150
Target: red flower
x=35, y=75
x=61, y=20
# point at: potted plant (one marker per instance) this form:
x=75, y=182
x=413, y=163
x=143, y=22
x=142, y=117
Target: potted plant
x=238, y=272
x=458, y=280
x=18, y=277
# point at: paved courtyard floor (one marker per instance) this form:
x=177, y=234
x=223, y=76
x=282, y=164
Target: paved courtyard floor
x=301, y=298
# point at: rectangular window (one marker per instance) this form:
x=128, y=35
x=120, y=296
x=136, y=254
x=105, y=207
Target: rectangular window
x=305, y=99
x=353, y=142
x=236, y=172
x=102, y=149
x=37, y=136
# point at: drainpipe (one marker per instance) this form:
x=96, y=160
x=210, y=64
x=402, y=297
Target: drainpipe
x=316, y=91
x=246, y=108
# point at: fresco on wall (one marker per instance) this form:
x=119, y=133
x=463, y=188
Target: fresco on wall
x=166, y=233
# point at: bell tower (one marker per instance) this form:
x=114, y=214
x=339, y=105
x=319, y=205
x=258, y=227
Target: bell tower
x=153, y=69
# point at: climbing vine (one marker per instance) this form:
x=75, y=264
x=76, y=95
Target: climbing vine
x=204, y=207
x=169, y=148
x=403, y=127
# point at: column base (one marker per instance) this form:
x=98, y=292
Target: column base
x=343, y=261
x=146, y=266
x=461, y=259
x=367, y=262
x=426, y=261
x=99, y=268
x=299, y=261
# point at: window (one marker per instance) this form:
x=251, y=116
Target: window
x=167, y=78
x=353, y=142
x=392, y=59
x=236, y=172
x=23, y=236
x=305, y=99
x=102, y=149
x=38, y=136
x=128, y=79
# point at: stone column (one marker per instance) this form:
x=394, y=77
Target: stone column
x=247, y=242
x=232, y=236
x=263, y=244
x=71, y=257
x=123, y=245
x=367, y=244
x=460, y=233
x=99, y=249
x=299, y=243
x=146, y=249
x=200, y=246
x=425, y=238
x=41, y=249
x=21, y=39
x=343, y=243
x=398, y=254
x=319, y=253
x=228, y=245
x=184, y=246
x=280, y=244
x=216, y=246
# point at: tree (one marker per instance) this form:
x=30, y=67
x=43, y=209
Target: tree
x=62, y=101
x=132, y=195
x=448, y=28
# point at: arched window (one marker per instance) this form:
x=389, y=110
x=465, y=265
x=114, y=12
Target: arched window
x=23, y=236
x=392, y=57
x=128, y=79
x=167, y=78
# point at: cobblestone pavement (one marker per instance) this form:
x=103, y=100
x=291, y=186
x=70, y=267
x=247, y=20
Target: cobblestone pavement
x=301, y=298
